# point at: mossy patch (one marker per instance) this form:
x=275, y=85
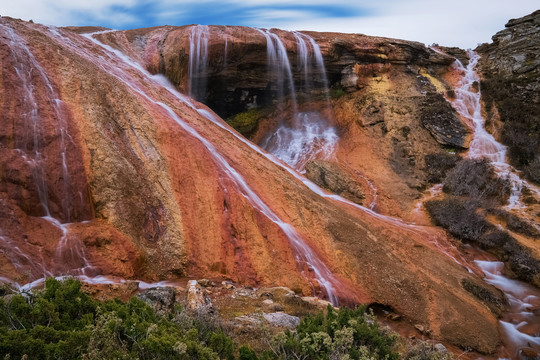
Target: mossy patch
x=246, y=122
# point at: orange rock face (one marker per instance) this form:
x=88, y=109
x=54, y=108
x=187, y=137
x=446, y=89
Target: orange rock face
x=144, y=183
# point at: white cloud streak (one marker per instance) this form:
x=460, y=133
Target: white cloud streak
x=463, y=23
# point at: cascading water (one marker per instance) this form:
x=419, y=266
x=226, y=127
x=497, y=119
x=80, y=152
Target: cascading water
x=308, y=134
x=483, y=145
x=279, y=68
x=30, y=117
x=521, y=325
x=123, y=68
x=198, y=61
x=226, y=51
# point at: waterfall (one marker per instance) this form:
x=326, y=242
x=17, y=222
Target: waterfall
x=26, y=66
x=226, y=50
x=32, y=78
x=308, y=134
x=467, y=104
x=198, y=61
x=279, y=67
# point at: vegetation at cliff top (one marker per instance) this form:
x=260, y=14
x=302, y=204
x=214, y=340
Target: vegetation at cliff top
x=62, y=322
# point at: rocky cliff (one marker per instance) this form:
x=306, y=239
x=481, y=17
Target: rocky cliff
x=511, y=87
x=107, y=170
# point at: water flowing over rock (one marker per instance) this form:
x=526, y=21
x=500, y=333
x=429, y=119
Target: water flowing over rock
x=198, y=61
x=307, y=134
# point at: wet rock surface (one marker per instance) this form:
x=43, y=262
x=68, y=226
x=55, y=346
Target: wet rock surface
x=157, y=194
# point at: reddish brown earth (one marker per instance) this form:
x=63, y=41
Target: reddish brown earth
x=154, y=203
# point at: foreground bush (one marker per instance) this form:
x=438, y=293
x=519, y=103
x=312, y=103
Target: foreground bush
x=343, y=334
x=62, y=322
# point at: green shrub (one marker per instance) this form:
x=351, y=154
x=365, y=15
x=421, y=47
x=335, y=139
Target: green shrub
x=426, y=351
x=336, y=93
x=337, y=334
x=62, y=322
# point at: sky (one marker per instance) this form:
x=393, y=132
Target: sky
x=463, y=23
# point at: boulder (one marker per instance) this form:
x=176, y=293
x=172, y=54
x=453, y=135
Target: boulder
x=197, y=299
x=315, y=301
x=269, y=305
x=281, y=319
x=161, y=299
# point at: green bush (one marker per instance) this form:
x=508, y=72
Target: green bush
x=62, y=322
x=346, y=333
x=426, y=351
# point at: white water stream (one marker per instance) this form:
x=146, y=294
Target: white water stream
x=520, y=325
x=198, y=61
x=467, y=104
x=29, y=71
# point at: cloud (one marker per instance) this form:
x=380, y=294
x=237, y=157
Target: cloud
x=461, y=23
x=68, y=12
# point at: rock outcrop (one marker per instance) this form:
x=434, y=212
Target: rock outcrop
x=510, y=69
x=441, y=120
